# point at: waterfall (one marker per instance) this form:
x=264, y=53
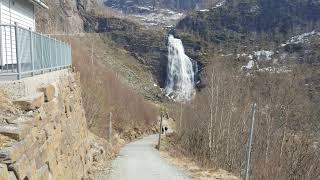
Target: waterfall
x=180, y=81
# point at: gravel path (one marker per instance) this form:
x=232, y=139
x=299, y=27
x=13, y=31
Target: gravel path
x=139, y=160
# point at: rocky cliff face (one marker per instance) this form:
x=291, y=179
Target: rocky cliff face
x=143, y=5
x=235, y=19
x=44, y=135
x=64, y=16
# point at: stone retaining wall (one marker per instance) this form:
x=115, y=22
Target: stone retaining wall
x=48, y=137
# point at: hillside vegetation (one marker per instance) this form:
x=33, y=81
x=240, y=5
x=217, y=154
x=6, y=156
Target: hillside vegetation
x=280, y=39
x=237, y=19
x=104, y=93
x=215, y=127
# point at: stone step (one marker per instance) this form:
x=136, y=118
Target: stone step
x=31, y=102
x=19, y=120
x=11, y=154
x=16, y=131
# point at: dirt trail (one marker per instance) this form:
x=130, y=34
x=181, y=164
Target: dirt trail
x=139, y=160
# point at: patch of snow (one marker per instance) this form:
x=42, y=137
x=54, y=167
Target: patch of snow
x=155, y=85
x=300, y=38
x=254, y=9
x=219, y=4
x=274, y=70
x=241, y=55
x=249, y=66
x=204, y=10
x=226, y=55
x=159, y=17
x=250, y=56
x=144, y=8
x=264, y=55
x=283, y=56
x=165, y=18
x=275, y=61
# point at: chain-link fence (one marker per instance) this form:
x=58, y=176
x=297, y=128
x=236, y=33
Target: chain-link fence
x=25, y=53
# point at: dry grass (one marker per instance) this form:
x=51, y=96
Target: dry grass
x=176, y=157
x=104, y=93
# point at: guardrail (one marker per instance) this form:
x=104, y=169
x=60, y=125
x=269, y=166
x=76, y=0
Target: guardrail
x=24, y=53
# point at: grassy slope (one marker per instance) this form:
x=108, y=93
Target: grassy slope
x=105, y=76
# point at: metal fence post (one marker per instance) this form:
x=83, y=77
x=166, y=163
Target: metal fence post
x=17, y=51
x=31, y=51
x=60, y=49
x=56, y=51
x=250, y=141
x=70, y=55
x=6, y=48
x=50, y=54
x=41, y=45
x=1, y=56
x=66, y=52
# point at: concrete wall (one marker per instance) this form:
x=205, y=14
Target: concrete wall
x=29, y=86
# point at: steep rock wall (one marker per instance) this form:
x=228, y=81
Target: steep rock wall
x=64, y=16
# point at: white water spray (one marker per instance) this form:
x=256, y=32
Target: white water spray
x=180, y=82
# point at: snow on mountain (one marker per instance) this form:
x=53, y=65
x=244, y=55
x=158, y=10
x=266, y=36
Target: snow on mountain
x=249, y=66
x=264, y=55
x=303, y=38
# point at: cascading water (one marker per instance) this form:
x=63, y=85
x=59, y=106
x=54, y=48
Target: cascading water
x=180, y=82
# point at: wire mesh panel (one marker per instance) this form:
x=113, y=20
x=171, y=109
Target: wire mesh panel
x=8, y=49
x=46, y=52
x=24, y=52
x=37, y=52
x=24, y=49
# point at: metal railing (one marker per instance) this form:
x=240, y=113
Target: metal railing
x=24, y=53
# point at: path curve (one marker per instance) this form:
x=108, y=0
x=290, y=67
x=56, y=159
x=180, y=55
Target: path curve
x=139, y=160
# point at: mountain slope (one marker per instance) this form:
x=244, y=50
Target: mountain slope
x=275, y=18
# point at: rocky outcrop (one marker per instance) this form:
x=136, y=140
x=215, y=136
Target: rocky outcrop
x=147, y=46
x=50, y=140
x=138, y=6
x=64, y=16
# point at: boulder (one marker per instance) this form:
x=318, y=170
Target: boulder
x=16, y=132
x=49, y=92
x=30, y=103
x=11, y=154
